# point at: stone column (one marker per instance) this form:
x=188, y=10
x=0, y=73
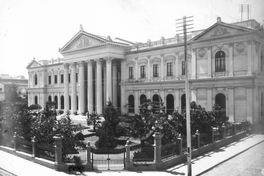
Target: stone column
x=59, y=78
x=231, y=104
x=73, y=85
x=90, y=86
x=136, y=102
x=66, y=87
x=209, y=62
x=109, y=79
x=115, y=85
x=59, y=101
x=127, y=152
x=123, y=89
x=162, y=67
x=177, y=65
x=249, y=103
x=58, y=150
x=177, y=99
x=104, y=99
x=194, y=94
x=136, y=69
x=249, y=57
x=44, y=76
x=231, y=59
x=193, y=71
x=99, y=86
x=209, y=98
x=149, y=68
x=157, y=147
x=82, y=93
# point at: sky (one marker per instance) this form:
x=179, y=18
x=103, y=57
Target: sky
x=38, y=28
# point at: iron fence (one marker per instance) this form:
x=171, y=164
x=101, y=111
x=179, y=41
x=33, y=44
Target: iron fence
x=45, y=152
x=170, y=150
x=24, y=146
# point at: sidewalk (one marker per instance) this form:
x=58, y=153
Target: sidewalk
x=22, y=167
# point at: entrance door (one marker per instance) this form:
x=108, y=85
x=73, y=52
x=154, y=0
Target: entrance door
x=108, y=159
x=170, y=104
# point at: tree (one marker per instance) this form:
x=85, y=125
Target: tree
x=107, y=132
x=46, y=127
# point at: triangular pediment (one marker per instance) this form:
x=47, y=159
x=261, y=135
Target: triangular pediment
x=33, y=64
x=83, y=40
x=221, y=30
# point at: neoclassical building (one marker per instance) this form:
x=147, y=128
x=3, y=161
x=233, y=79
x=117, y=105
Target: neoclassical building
x=226, y=67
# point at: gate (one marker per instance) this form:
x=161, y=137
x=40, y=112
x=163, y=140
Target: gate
x=108, y=159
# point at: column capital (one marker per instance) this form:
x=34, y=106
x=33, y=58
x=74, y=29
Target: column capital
x=149, y=57
x=209, y=48
x=98, y=60
x=81, y=63
x=249, y=42
x=231, y=87
x=162, y=55
x=177, y=53
x=194, y=49
x=231, y=44
x=108, y=59
x=73, y=64
x=136, y=58
x=66, y=66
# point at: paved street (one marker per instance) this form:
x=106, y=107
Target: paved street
x=248, y=163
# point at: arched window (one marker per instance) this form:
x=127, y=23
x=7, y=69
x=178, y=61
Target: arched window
x=62, y=102
x=77, y=103
x=170, y=104
x=49, y=98
x=143, y=98
x=56, y=100
x=220, y=61
x=36, y=99
x=220, y=99
x=156, y=98
x=183, y=102
x=36, y=79
x=131, y=102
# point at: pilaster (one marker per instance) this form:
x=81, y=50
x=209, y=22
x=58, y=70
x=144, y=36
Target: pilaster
x=249, y=57
x=115, y=85
x=99, y=86
x=73, y=85
x=193, y=71
x=231, y=104
x=209, y=91
x=82, y=93
x=231, y=59
x=177, y=65
x=66, y=87
x=90, y=86
x=162, y=67
x=209, y=61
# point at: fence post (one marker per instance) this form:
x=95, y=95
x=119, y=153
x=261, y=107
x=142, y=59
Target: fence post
x=157, y=147
x=15, y=141
x=234, y=129
x=127, y=152
x=180, y=139
x=33, y=141
x=88, y=153
x=224, y=131
x=213, y=135
x=198, y=138
x=58, y=150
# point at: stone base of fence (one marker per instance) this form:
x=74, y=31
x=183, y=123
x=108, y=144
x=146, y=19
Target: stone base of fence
x=151, y=166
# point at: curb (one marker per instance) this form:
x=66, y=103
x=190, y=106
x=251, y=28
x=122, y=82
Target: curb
x=203, y=172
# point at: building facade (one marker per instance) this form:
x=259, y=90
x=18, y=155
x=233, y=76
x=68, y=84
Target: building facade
x=6, y=83
x=226, y=67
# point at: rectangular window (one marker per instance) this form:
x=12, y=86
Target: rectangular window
x=155, y=70
x=69, y=78
x=142, y=71
x=183, y=67
x=169, y=69
x=49, y=79
x=62, y=78
x=55, y=79
x=76, y=77
x=131, y=73
x=1, y=89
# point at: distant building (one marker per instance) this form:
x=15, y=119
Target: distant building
x=226, y=67
x=7, y=81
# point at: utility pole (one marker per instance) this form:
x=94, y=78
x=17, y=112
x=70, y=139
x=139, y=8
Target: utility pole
x=183, y=23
